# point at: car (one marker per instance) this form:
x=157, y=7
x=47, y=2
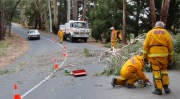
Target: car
x=33, y=34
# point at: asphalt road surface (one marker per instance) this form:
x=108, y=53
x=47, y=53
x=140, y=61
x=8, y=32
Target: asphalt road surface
x=36, y=79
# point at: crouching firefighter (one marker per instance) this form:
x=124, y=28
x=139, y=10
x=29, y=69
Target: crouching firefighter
x=131, y=72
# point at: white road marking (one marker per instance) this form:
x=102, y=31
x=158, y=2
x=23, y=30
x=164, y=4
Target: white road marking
x=40, y=83
x=46, y=78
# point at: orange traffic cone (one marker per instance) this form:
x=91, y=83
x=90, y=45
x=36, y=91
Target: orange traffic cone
x=64, y=54
x=64, y=46
x=52, y=38
x=56, y=66
x=16, y=92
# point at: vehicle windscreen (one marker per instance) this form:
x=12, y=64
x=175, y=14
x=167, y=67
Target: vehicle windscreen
x=31, y=32
x=80, y=25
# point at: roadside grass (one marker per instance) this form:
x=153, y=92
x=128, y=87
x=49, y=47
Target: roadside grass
x=5, y=45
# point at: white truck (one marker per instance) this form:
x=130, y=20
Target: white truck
x=75, y=30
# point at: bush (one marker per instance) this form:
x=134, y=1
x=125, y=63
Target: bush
x=176, y=53
x=87, y=53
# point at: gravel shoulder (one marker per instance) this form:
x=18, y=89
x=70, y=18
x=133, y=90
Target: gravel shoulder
x=15, y=46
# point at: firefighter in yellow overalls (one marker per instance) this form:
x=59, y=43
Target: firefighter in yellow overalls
x=131, y=72
x=113, y=37
x=61, y=35
x=157, y=50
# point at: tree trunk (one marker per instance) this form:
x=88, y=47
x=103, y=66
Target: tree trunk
x=124, y=22
x=3, y=19
x=1, y=34
x=164, y=10
x=50, y=19
x=137, y=18
x=68, y=10
x=12, y=14
x=55, y=14
x=36, y=21
x=153, y=13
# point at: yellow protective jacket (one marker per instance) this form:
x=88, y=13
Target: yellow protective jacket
x=158, y=43
x=114, y=35
x=61, y=33
x=132, y=67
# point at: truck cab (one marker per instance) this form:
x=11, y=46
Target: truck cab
x=75, y=30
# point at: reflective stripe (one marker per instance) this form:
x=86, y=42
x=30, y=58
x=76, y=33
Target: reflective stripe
x=122, y=78
x=156, y=55
x=157, y=76
x=144, y=52
x=164, y=72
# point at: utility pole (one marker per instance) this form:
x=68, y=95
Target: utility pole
x=68, y=10
x=50, y=18
x=1, y=34
x=124, y=22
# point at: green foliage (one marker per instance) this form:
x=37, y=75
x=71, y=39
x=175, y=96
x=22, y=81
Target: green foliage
x=176, y=44
x=115, y=60
x=176, y=54
x=108, y=45
x=114, y=66
x=102, y=17
x=87, y=53
x=2, y=72
x=2, y=45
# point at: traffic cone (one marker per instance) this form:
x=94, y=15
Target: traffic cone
x=16, y=92
x=56, y=66
x=64, y=46
x=64, y=54
x=52, y=38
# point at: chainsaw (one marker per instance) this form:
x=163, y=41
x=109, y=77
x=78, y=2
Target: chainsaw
x=142, y=84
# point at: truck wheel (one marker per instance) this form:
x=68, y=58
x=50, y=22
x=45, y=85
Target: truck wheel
x=64, y=38
x=71, y=39
x=85, y=39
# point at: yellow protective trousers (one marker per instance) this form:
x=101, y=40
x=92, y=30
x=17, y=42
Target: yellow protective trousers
x=127, y=77
x=61, y=38
x=114, y=43
x=160, y=73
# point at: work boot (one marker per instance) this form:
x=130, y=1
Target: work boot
x=130, y=86
x=113, y=83
x=166, y=89
x=157, y=92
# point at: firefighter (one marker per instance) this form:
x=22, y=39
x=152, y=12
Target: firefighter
x=157, y=50
x=61, y=35
x=131, y=72
x=113, y=37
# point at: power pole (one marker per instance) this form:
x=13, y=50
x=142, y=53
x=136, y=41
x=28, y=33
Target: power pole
x=68, y=10
x=124, y=22
x=1, y=34
x=50, y=18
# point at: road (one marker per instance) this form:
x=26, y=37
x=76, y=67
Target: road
x=34, y=75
